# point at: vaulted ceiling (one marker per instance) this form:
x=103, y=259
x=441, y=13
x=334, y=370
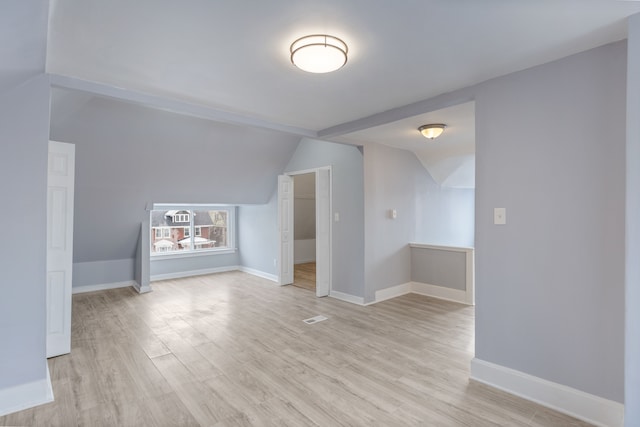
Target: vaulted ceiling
x=231, y=58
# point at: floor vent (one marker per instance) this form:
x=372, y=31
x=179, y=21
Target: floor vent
x=315, y=319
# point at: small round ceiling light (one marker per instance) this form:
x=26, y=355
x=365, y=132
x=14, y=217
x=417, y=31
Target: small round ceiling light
x=432, y=131
x=319, y=53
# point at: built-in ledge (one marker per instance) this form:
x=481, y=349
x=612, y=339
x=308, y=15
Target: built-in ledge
x=443, y=271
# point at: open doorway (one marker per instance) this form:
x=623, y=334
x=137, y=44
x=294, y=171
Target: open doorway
x=313, y=234
x=304, y=231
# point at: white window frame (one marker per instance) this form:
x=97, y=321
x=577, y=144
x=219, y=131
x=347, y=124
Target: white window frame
x=181, y=218
x=199, y=229
x=166, y=232
x=231, y=230
x=187, y=231
x=158, y=232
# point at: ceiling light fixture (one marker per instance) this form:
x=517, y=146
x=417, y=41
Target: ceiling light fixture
x=432, y=131
x=319, y=53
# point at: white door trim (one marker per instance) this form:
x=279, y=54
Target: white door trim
x=318, y=250
x=323, y=233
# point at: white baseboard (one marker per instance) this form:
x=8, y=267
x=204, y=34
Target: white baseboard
x=440, y=292
x=253, y=271
x=142, y=289
x=25, y=396
x=347, y=297
x=103, y=286
x=394, y=291
x=587, y=407
x=180, y=274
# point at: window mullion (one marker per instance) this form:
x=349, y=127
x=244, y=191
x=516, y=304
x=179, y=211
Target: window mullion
x=192, y=230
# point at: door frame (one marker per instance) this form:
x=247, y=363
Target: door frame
x=329, y=169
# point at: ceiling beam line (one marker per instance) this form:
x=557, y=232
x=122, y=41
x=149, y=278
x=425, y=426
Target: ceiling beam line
x=439, y=102
x=173, y=105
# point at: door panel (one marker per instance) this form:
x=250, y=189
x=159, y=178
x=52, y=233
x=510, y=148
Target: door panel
x=285, y=229
x=60, y=187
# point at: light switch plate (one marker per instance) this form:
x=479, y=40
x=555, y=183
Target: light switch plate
x=499, y=216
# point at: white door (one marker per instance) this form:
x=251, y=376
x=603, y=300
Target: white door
x=59, y=246
x=285, y=229
x=323, y=240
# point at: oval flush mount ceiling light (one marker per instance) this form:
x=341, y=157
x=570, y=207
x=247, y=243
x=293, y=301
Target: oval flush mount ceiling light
x=319, y=53
x=432, y=131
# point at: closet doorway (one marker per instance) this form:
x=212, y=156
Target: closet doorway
x=304, y=231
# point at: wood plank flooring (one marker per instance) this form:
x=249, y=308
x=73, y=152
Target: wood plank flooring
x=304, y=276
x=231, y=350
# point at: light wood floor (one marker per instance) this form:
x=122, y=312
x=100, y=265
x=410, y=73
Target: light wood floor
x=231, y=350
x=304, y=276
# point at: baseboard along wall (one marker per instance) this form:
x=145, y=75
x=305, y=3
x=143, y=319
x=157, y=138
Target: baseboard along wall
x=440, y=292
x=103, y=286
x=177, y=275
x=578, y=404
x=25, y=396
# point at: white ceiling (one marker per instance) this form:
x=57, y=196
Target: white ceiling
x=233, y=56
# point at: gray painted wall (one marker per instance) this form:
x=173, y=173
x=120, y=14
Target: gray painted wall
x=426, y=213
x=550, y=284
x=24, y=133
x=347, y=195
x=632, y=322
x=390, y=176
x=103, y=272
x=128, y=156
x=439, y=267
x=24, y=136
x=444, y=216
x=258, y=234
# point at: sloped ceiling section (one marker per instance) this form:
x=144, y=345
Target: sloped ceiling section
x=128, y=155
x=23, y=31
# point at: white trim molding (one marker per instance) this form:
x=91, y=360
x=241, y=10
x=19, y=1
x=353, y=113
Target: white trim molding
x=440, y=292
x=394, y=291
x=347, y=297
x=578, y=404
x=180, y=274
x=258, y=273
x=25, y=396
x=104, y=286
x=141, y=289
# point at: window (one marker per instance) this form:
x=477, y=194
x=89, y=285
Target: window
x=181, y=217
x=210, y=228
x=161, y=232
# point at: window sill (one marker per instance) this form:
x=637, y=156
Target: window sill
x=159, y=257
